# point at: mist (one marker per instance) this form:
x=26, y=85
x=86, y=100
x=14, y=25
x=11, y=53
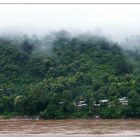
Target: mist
x=115, y=22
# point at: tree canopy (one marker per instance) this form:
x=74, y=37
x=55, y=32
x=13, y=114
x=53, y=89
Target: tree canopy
x=48, y=78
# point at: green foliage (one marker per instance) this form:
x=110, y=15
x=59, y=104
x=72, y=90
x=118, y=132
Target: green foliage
x=48, y=80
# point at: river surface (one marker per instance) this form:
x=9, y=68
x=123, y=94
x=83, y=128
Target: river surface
x=69, y=127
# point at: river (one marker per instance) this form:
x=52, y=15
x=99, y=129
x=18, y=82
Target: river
x=69, y=127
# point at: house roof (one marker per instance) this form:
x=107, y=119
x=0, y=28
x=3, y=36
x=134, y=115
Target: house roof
x=103, y=101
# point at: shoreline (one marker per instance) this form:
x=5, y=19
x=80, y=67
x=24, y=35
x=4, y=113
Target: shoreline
x=37, y=118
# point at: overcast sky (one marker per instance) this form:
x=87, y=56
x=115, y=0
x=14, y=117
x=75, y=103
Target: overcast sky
x=117, y=21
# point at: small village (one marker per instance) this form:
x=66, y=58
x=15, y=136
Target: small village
x=104, y=102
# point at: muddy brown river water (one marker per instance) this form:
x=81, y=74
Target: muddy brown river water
x=69, y=127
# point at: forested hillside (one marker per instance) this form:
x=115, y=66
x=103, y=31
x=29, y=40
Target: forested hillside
x=60, y=76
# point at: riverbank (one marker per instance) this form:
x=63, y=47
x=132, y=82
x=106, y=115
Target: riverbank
x=20, y=117
x=38, y=118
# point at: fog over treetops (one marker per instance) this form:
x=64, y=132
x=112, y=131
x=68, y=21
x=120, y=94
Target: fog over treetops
x=116, y=22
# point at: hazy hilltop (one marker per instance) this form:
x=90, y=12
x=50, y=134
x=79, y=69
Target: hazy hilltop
x=50, y=75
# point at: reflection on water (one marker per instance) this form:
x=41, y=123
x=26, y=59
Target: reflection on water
x=69, y=127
